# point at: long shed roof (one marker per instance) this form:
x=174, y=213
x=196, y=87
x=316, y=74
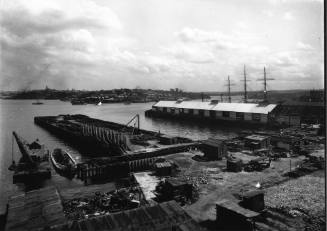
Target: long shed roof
x=231, y=107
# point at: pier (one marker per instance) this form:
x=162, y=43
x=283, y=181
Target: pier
x=102, y=138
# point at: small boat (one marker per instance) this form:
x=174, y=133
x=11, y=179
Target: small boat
x=99, y=104
x=77, y=102
x=37, y=103
x=63, y=161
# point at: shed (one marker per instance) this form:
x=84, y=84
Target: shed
x=173, y=188
x=253, y=200
x=257, y=141
x=163, y=168
x=234, y=164
x=286, y=142
x=214, y=149
x=231, y=215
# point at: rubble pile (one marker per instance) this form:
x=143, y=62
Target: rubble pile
x=305, y=194
x=101, y=203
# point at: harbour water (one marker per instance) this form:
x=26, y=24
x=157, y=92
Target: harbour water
x=18, y=115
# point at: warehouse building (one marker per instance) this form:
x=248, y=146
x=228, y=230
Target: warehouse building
x=247, y=112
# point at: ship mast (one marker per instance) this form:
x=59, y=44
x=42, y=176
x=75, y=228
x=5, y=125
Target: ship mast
x=265, y=97
x=229, y=97
x=229, y=92
x=265, y=91
x=245, y=90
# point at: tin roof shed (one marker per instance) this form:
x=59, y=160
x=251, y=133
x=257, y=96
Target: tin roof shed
x=234, y=107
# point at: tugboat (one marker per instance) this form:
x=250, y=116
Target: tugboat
x=63, y=162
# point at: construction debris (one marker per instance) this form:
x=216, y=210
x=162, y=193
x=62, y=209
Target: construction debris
x=102, y=203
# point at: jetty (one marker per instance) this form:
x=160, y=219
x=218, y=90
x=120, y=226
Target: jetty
x=102, y=138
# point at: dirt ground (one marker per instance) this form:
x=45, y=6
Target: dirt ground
x=214, y=183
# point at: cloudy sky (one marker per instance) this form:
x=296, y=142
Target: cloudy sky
x=190, y=44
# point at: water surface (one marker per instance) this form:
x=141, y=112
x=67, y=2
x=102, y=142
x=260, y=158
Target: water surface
x=18, y=115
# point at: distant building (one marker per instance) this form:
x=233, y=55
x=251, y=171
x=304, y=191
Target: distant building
x=245, y=112
x=287, y=114
x=295, y=113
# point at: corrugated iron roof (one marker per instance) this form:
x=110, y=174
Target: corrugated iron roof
x=230, y=205
x=163, y=216
x=213, y=142
x=234, y=107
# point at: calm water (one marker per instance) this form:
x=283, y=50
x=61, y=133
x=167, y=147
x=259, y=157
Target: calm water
x=17, y=115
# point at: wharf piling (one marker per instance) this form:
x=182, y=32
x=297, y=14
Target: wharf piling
x=122, y=166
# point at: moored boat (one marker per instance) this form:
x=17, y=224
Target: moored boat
x=38, y=102
x=63, y=162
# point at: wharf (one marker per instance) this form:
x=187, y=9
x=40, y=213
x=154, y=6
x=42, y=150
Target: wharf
x=103, y=138
x=121, y=166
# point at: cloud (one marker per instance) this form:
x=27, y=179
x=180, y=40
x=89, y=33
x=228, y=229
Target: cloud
x=304, y=46
x=61, y=33
x=284, y=59
x=288, y=16
x=82, y=44
x=268, y=13
x=24, y=18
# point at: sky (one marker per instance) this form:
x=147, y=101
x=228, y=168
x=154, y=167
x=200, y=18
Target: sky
x=193, y=45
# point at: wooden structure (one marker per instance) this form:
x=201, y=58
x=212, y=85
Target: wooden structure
x=287, y=142
x=174, y=189
x=168, y=140
x=253, y=200
x=256, y=142
x=164, y=216
x=214, y=149
x=234, y=164
x=163, y=168
x=231, y=216
x=35, y=210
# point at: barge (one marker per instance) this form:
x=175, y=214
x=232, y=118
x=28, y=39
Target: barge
x=33, y=166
